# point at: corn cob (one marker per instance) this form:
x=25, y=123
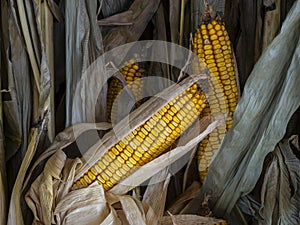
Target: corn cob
x=132, y=75
x=212, y=45
x=147, y=141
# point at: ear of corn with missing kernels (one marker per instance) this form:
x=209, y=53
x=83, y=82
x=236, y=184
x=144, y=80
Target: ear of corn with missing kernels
x=147, y=141
x=132, y=74
x=213, y=47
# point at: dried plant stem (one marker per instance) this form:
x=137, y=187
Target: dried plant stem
x=241, y=215
x=26, y=33
x=47, y=29
x=33, y=61
x=181, y=21
x=3, y=190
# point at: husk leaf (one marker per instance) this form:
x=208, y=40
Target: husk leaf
x=280, y=191
x=83, y=47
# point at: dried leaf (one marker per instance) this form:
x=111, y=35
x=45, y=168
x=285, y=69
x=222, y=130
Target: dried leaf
x=174, y=20
x=47, y=32
x=16, y=73
x=62, y=140
x=191, y=192
x=155, y=196
x=27, y=25
x=55, y=10
x=121, y=19
x=280, y=193
x=110, y=8
x=248, y=205
x=269, y=208
x=272, y=22
x=160, y=33
x=141, y=9
x=3, y=181
x=83, y=47
x=189, y=219
x=15, y=216
x=86, y=206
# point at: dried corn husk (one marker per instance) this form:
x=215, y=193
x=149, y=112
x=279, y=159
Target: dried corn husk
x=125, y=34
x=54, y=184
x=88, y=205
x=198, y=7
x=15, y=216
x=110, y=8
x=3, y=181
x=189, y=219
x=16, y=103
x=27, y=54
x=270, y=98
x=271, y=22
x=190, y=193
x=83, y=47
x=280, y=194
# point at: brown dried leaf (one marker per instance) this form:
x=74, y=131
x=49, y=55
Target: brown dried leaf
x=83, y=47
x=143, y=11
x=121, y=19
x=15, y=216
x=183, y=200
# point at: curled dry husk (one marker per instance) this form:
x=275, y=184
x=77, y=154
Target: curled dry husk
x=280, y=196
x=53, y=200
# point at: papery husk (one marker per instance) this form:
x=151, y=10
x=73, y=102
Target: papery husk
x=280, y=194
x=159, y=69
x=15, y=216
x=3, y=181
x=174, y=17
x=191, y=192
x=85, y=206
x=30, y=29
x=155, y=196
x=142, y=12
x=121, y=19
x=189, y=220
x=83, y=47
x=54, y=184
x=271, y=22
x=89, y=206
x=16, y=104
x=110, y=8
x=46, y=22
x=198, y=7
x=63, y=140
